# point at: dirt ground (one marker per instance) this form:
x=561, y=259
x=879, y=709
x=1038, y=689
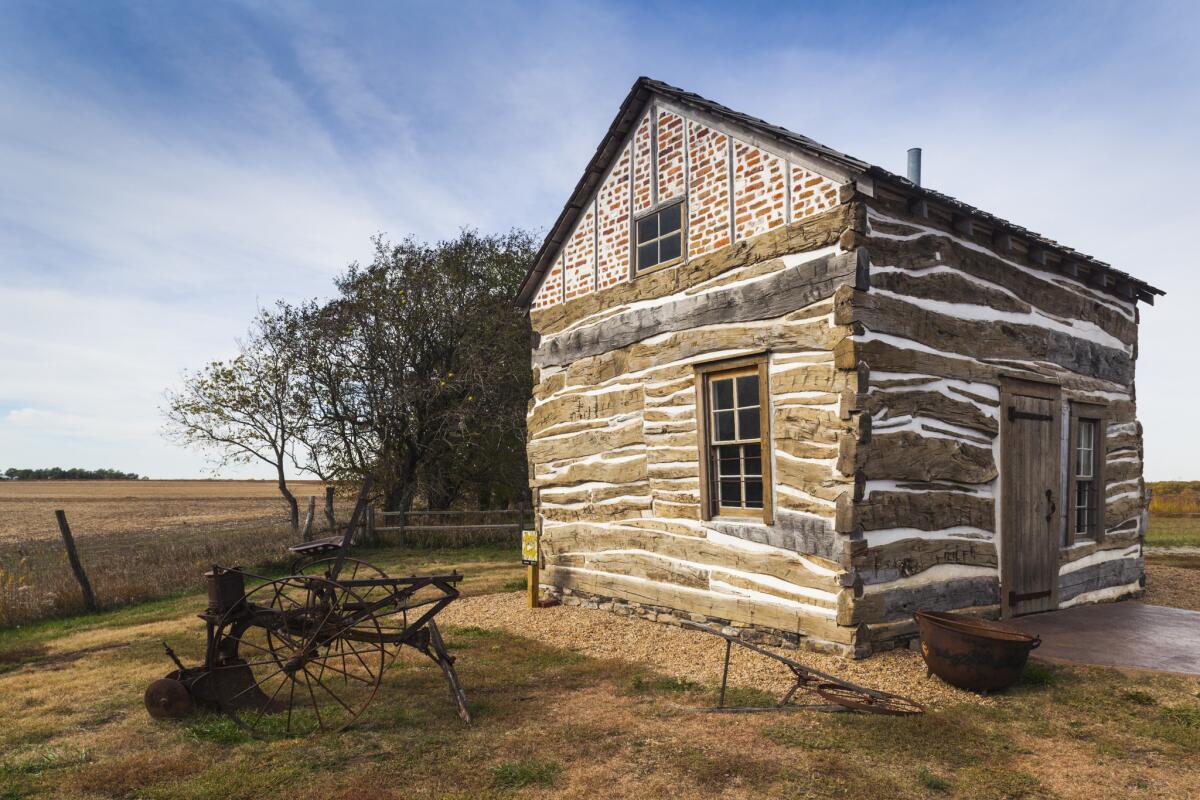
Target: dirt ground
x=1172, y=581
x=105, y=507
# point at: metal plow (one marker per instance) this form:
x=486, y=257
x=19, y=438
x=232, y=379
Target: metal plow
x=307, y=652
x=840, y=695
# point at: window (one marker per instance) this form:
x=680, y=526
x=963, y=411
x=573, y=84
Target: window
x=660, y=237
x=736, y=459
x=1087, y=442
x=1085, y=479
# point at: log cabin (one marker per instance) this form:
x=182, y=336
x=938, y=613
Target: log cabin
x=787, y=393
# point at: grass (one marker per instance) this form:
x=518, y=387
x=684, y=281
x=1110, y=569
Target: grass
x=1039, y=674
x=515, y=585
x=518, y=775
x=931, y=781
x=1173, y=531
x=553, y=723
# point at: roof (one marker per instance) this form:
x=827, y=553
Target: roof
x=644, y=89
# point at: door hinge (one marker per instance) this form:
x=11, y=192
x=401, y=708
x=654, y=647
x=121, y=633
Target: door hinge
x=1014, y=415
x=1014, y=598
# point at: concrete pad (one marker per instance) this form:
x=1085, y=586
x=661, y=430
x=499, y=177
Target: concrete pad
x=1134, y=635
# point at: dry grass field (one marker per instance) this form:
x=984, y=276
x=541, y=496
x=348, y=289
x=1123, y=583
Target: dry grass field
x=575, y=704
x=106, y=507
x=137, y=539
x=140, y=540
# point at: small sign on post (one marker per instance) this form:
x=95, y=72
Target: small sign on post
x=529, y=557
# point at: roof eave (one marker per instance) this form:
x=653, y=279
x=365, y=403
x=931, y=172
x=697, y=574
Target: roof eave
x=1136, y=288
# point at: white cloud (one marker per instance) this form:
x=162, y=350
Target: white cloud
x=153, y=198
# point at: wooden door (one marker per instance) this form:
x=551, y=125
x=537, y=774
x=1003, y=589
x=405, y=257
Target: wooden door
x=1030, y=485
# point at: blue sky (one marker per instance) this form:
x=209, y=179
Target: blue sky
x=167, y=167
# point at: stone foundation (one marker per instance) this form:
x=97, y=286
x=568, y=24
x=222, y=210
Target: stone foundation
x=754, y=634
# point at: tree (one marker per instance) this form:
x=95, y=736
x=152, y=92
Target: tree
x=250, y=408
x=419, y=370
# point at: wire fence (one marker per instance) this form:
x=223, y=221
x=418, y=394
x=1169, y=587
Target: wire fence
x=36, y=580
x=450, y=528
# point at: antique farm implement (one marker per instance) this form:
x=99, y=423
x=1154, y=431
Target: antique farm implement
x=839, y=694
x=307, y=652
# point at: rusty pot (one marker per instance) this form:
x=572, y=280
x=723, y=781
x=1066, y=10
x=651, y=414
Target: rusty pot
x=972, y=653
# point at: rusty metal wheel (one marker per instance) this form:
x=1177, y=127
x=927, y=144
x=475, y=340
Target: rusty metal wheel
x=870, y=701
x=287, y=666
x=391, y=623
x=168, y=698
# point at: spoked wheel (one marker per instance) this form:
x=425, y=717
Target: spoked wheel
x=392, y=624
x=872, y=702
x=287, y=665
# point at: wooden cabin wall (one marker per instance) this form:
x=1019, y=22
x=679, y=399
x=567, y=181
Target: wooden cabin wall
x=946, y=314
x=615, y=459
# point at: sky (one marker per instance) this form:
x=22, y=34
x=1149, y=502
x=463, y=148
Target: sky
x=166, y=168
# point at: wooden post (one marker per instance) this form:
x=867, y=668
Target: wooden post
x=329, y=510
x=532, y=578
x=370, y=535
x=306, y=536
x=403, y=516
x=530, y=557
x=89, y=598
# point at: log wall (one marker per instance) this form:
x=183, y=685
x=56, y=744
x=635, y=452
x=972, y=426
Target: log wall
x=614, y=451
x=942, y=317
x=887, y=337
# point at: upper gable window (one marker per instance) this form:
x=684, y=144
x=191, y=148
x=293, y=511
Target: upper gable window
x=660, y=237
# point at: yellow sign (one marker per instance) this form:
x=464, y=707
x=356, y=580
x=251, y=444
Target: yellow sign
x=529, y=547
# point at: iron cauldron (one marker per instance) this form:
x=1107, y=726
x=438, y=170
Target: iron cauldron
x=972, y=653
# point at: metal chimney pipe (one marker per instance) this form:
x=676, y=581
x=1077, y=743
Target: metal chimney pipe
x=914, y=165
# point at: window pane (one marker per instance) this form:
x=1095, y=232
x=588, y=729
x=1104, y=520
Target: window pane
x=747, y=391
x=1083, y=508
x=754, y=493
x=731, y=493
x=723, y=426
x=723, y=393
x=728, y=461
x=647, y=228
x=1085, y=448
x=748, y=423
x=647, y=255
x=668, y=220
x=753, y=459
x=668, y=248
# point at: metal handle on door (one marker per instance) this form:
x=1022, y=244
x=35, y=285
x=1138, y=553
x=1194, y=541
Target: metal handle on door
x=1050, y=500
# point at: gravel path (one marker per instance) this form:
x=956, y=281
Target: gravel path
x=1169, y=585
x=690, y=654
x=1151, y=550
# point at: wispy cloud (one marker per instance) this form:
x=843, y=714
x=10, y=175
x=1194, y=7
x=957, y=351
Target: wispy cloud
x=167, y=168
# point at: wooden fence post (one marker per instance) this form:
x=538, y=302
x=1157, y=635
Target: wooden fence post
x=89, y=598
x=370, y=536
x=329, y=510
x=306, y=536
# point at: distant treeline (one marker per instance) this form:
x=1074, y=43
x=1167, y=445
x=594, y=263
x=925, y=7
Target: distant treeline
x=70, y=474
x=1175, y=497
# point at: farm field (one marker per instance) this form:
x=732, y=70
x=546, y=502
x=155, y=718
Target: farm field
x=573, y=703
x=96, y=508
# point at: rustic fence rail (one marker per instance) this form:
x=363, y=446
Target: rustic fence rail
x=449, y=528
x=41, y=577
